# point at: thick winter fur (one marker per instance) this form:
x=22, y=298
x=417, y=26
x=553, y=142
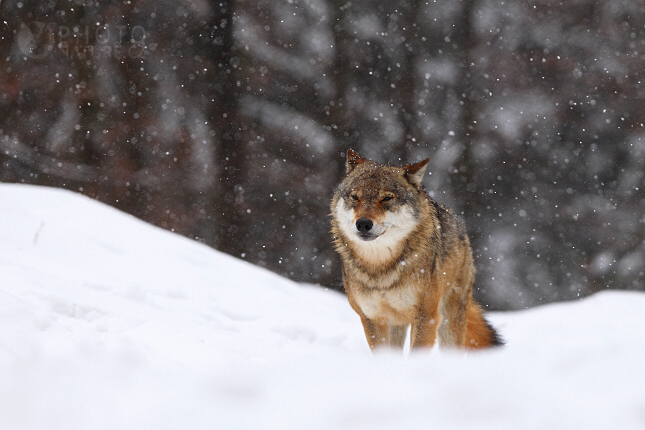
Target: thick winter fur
x=406, y=260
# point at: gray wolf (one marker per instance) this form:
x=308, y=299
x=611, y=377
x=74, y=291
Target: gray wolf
x=406, y=260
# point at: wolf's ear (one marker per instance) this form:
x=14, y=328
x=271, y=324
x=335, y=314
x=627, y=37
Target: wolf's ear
x=353, y=160
x=414, y=172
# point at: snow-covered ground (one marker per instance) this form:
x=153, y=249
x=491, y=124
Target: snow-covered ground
x=109, y=323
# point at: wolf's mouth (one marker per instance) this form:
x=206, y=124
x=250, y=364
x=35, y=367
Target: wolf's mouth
x=367, y=236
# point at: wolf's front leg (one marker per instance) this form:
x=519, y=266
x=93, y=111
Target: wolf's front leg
x=424, y=331
x=377, y=333
x=426, y=321
x=397, y=336
x=454, y=311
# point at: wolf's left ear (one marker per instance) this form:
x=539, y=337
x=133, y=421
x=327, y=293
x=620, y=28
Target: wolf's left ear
x=353, y=160
x=414, y=172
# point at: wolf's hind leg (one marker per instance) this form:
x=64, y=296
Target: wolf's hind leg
x=397, y=336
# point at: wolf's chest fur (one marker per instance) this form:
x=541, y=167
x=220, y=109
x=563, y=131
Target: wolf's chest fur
x=394, y=305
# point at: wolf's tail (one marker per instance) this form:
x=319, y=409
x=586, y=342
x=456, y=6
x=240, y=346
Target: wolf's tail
x=479, y=333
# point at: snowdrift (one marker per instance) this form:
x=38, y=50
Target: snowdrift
x=109, y=323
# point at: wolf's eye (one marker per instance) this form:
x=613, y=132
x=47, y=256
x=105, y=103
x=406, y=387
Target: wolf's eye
x=355, y=197
x=387, y=198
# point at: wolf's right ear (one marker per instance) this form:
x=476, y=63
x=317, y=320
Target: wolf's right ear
x=414, y=172
x=353, y=160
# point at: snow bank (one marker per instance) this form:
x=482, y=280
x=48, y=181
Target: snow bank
x=107, y=322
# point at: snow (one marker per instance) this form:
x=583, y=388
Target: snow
x=108, y=322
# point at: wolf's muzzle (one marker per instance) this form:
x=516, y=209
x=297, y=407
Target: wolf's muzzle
x=364, y=229
x=364, y=225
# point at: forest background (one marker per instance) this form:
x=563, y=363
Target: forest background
x=228, y=121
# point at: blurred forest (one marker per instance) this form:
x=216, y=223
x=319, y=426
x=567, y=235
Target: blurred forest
x=227, y=121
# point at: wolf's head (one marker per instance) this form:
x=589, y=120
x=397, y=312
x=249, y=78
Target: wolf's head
x=377, y=206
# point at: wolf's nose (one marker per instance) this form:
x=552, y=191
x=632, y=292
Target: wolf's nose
x=363, y=225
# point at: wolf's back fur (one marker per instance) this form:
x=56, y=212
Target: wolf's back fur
x=406, y=259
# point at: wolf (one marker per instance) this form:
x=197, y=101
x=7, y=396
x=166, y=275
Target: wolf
x=406, y=260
